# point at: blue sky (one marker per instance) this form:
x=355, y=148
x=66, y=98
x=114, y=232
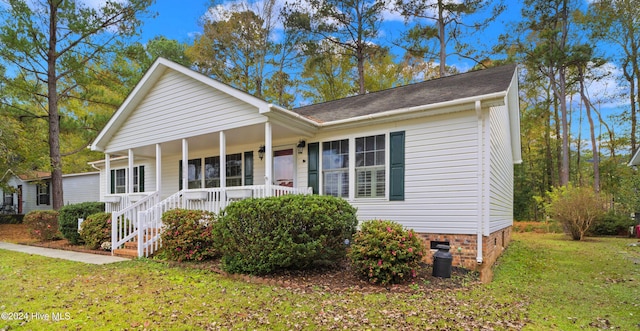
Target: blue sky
x=179, y=20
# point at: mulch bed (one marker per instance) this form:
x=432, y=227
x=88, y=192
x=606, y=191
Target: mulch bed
x=337, y=279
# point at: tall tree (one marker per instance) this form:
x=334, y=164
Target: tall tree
x=237, y=48
x=328, y=74
x=445, y=21
x=51, y=42
x=618, y=22
x=547, y=24
x=352, y=25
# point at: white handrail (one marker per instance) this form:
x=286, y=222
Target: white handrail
x=124, y=223
x=146, y=223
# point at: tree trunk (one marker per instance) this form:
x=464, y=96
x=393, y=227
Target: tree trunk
x=54, y=118
x=441, y=38
x=594, y=147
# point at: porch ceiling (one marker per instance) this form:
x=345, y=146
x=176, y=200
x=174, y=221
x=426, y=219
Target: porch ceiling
x=252, y=135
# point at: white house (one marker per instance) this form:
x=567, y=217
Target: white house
x=25, y=193
x=435, y=156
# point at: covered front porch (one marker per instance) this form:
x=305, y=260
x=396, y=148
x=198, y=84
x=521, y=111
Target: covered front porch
x=143, y=182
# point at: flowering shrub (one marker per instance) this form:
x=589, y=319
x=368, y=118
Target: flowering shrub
x=96, y=229
x=383, y=252
x=42, y=224
x=260, y=236
x=188, y=235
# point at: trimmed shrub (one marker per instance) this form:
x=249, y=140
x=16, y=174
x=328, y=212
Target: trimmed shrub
x=188, y=235
x=11, y=219
x=612, y=225
x=383, y=252
x=96, y=230
x=260, y=236
x=42, y=224
x=68, y=218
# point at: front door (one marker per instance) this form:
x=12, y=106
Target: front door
x=19, y=199
x=284, y=167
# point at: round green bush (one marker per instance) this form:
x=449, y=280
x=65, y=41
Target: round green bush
x=188, y=235
x=383, y=252
x=68, y=218
x=96, y=229
x=260, y=236
x=42, y=224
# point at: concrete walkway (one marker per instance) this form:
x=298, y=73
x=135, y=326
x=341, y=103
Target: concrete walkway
x=62, y=254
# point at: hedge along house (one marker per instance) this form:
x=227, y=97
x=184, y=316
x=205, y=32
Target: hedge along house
x=435, y=156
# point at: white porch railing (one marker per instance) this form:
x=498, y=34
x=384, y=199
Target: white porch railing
x=125, y=222
x=146, y=224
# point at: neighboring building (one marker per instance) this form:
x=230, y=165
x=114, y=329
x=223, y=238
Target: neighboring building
x=25, y=193
x=435, y=156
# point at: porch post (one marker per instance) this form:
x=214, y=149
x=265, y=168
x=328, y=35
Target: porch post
x=107, y=169
x=223, y=161
x=268, y=159
x=185, y=164
x=130, y=173
x=158, y=168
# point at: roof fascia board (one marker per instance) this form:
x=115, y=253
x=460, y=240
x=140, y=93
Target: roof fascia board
x=488, y=100
x=513, y=104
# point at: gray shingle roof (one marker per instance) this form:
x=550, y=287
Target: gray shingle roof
x=449, y=88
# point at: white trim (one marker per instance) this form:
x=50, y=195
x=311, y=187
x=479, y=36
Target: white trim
x=107, y=169
x=479, y=167
x=158, y=168
x=185, y=164
x=268, y=157
x=129, y=174
x=223, y=161
x=417, y=109
x=149, y=79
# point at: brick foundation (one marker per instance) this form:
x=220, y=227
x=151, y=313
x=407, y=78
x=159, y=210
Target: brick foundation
x=464, y=247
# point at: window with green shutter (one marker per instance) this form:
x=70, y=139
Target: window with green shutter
x=396, y=166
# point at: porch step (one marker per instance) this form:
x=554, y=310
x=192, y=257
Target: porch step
x=126, y=252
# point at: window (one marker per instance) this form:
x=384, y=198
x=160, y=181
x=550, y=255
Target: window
x=8, y=199
x=233, y=173
x=119, y=180
x=42, y=196
x=194, y=173
x=370, y=167
x=335, y=168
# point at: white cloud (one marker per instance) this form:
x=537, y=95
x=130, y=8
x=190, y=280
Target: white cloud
x=603, y=87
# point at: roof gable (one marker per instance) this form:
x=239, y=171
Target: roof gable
x=461, y=86
x=155, y=73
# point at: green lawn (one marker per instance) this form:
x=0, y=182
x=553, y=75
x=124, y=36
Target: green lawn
x=542, y=282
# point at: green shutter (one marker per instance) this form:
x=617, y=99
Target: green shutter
x=313, y=166
x=248, y=168
x=396, y=166
x=113, y=181
x=179, y=175
x=141, y=178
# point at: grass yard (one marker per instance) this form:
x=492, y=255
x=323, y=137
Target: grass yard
x=543, y=281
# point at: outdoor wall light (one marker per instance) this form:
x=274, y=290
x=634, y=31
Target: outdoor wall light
x=261, y=152
x=300, y=146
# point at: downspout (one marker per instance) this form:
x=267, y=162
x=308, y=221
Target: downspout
x=480, y=190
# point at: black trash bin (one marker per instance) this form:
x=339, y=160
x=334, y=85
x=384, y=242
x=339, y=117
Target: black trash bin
x=442, y=262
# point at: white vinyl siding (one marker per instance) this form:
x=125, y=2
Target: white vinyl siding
x=179, y=107
x=441, y=174
x=81, y=188
x=501, y=178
